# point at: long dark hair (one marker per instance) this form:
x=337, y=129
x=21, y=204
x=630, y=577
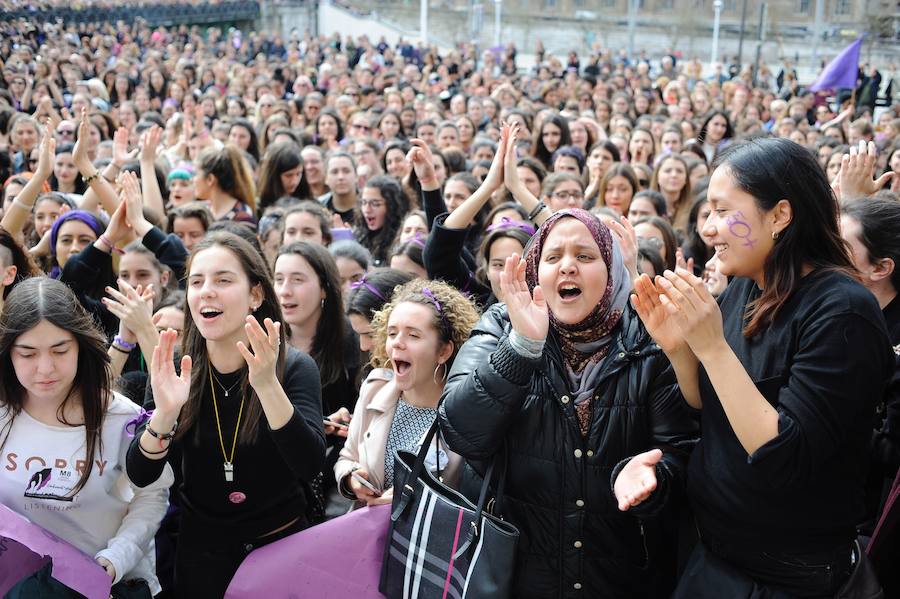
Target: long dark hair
x=879, y=230
x=539, y=150
x=328, y=344
x=253, y=148
x=280, y=158
x=379, y=242
x=771, y=170
x=31, y=302
x=193, y=344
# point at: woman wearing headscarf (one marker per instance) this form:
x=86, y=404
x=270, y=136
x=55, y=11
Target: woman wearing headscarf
x=594, y=427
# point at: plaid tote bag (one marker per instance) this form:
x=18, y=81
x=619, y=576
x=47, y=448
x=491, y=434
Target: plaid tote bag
x=440, y=546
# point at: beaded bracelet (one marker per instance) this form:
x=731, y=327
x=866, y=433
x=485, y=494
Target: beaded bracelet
x=90, y=179
x=164, y=436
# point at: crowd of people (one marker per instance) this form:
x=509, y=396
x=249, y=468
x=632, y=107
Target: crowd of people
x=241, y=271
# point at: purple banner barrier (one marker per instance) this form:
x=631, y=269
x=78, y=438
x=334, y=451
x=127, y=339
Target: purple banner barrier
x=25, y=547
x=337, y=559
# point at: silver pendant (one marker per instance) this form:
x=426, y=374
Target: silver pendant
x=229, y=472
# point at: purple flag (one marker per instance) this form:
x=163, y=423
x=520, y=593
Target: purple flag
x=337, y=559
x=25, y=548
x=840, y=72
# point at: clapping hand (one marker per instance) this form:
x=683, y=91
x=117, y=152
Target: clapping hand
x=528, y=313
x=266, y=345
x=421, y=158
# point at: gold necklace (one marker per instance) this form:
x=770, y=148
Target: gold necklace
x=228, y=463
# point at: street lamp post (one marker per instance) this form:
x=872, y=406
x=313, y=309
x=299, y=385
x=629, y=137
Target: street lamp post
x=498, y=9
x=423, y=22
x=632, y=25
x=717, y=5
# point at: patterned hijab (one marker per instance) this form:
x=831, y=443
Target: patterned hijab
x=586, y=342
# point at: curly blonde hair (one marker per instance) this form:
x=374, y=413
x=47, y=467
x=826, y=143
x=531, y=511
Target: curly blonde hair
x=454, y=322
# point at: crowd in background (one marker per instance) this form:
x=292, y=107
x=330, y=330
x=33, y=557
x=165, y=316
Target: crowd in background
x=356, y=198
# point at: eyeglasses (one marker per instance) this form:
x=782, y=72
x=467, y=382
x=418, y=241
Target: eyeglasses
x=360, y=127
x=372, y=203
x=65, y=132
x=568, y=195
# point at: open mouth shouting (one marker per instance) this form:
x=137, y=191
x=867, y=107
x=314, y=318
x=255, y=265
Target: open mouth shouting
x=568, y=292
x=209, y=314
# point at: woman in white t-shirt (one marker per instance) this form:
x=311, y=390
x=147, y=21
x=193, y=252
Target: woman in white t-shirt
x=64, y=434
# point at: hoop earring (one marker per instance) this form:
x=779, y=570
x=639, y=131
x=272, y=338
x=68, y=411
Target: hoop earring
x=443, y=376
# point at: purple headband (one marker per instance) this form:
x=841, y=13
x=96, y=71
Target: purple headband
x=364, y=283
x=508, y=223
x=437, y=306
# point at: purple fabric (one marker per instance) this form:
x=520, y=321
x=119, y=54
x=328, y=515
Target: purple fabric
x=841, y=71
x=82, y=215
x=508, y=223
x=25, y=547
x=363, y=283
x=337, y=559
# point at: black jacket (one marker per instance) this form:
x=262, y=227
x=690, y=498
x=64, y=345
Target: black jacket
x=575, y=542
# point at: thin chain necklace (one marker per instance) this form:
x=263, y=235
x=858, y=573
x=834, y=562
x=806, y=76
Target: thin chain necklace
x=228, y=460
x=229, y=389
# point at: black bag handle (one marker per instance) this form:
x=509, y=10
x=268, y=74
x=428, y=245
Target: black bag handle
x=408, y=491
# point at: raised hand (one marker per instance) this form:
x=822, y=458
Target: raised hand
x=694, y=309
x=528, y=314
x=659, y=323
x=420, y=157
x=134, y=203
x=856, y=177
x=265, y=344
x=46, y=157
x=118, y=230
x=637, y=480
x=494, y=178
x=79, y=152
x=132, y=306
x=121, y=155
x=170, y=390
x=510, y=174
x=627, y=238
x=149, y=143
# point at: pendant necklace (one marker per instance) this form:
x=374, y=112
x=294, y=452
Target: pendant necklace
x=228, y=460
x=229, y=389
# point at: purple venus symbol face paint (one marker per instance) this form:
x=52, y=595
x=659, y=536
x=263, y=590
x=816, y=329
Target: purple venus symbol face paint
x=740, y=228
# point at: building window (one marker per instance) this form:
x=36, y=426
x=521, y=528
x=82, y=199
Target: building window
x=665, y=4
x=729, y=5
x=842, y=7
x=550, y=3
x=803, y=7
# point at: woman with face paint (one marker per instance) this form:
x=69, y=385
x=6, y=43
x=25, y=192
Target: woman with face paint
x=787, y=368
x=564, y=375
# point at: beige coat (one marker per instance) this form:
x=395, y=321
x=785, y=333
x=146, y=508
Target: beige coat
x=369, y=429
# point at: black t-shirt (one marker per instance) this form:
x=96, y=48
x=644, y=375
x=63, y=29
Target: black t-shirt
x=270, y=473
x=823, y=364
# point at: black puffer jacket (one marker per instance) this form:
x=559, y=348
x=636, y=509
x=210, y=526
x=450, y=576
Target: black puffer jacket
x=575, y=542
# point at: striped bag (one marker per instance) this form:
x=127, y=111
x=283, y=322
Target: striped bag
x=440, y=545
